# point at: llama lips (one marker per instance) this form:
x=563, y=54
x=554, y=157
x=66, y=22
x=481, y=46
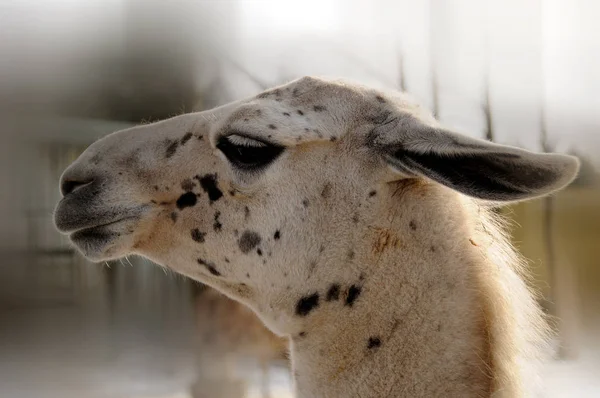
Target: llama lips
x=99, y=242
x=95, y=236
x=70, y=217
x=74, y=214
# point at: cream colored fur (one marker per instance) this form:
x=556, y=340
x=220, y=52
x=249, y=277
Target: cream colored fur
x=368, y=241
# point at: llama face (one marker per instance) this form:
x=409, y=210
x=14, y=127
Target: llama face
x=268, y=199
x=257, y=198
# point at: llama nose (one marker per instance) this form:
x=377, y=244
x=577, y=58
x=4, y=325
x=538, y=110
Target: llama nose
x=75, y=178
x=68, y=186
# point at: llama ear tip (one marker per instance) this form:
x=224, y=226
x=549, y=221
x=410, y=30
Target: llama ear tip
x=568, y=164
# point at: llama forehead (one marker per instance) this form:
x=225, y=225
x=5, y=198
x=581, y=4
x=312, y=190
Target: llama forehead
x=311, y=109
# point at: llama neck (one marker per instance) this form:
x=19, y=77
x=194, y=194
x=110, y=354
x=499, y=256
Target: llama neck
x=416, y=329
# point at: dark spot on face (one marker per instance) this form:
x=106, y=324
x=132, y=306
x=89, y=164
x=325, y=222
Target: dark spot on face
x=248, y=241
x=333, y=293
x=243, y=290
x=372, y=193
x=300, y=112
x=361, y=277
x=312, y=266
x=210, y=267
x=188, y=199
x=187, y=185
x=353, y=294
x=217, y=226
x=197, y=235
x=153, y=202
x=277, y=235
x=156, y=187
x=248, y=275
x=226, y=260
x=432, y=249
x=333, y=138
x=319, y=108
x=321, y=249
x=258, y=112
x=259, y=252
x=373, y=342
x=355, y=219
x=380, y=99
x=302, y=334
x=200, y=137
x=439, y=327
x=326, y=191
x=350, y=254
x=246, y=212
x=305, y=203
x=246, y=119
x=209, y=185
x=307, y=304
x=286, y=114
x=186, y=138
x=232, y=192
x=171, y=148
x=295, y=92
x=306, y=129
x=413, y=225
x=318, y=133
x=272, y=127
x=174, y=216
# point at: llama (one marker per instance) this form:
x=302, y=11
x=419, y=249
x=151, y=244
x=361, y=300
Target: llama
x=348, y=220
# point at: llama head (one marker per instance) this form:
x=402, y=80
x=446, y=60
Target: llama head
x=265, y=199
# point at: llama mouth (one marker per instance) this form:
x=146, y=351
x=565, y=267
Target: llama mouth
x=100, y=241
x=71, y=216
x=100, y=230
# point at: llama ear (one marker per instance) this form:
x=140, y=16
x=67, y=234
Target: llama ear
x=476, y=168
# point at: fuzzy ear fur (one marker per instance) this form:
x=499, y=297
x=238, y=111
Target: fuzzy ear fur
x=476, y=168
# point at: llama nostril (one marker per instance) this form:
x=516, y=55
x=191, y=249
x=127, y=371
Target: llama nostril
x=68, y=186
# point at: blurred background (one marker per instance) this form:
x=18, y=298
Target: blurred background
x=521, y=72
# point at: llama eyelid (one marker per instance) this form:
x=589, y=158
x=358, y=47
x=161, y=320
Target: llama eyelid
x=240, y=140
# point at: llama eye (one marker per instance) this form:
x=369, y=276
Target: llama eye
x=246, y=153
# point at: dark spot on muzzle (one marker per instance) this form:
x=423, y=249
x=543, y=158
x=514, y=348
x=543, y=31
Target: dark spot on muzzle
x=210, y=267
x=188, y=199
x=171, y=148
x=197, y=235
x=186, y=138
x=217, y=226
x=209, y=184
x=307, y=304
x=373, y=342
x=187, y=185
x=353, y=294
x=248, y=241
x=333, y=293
